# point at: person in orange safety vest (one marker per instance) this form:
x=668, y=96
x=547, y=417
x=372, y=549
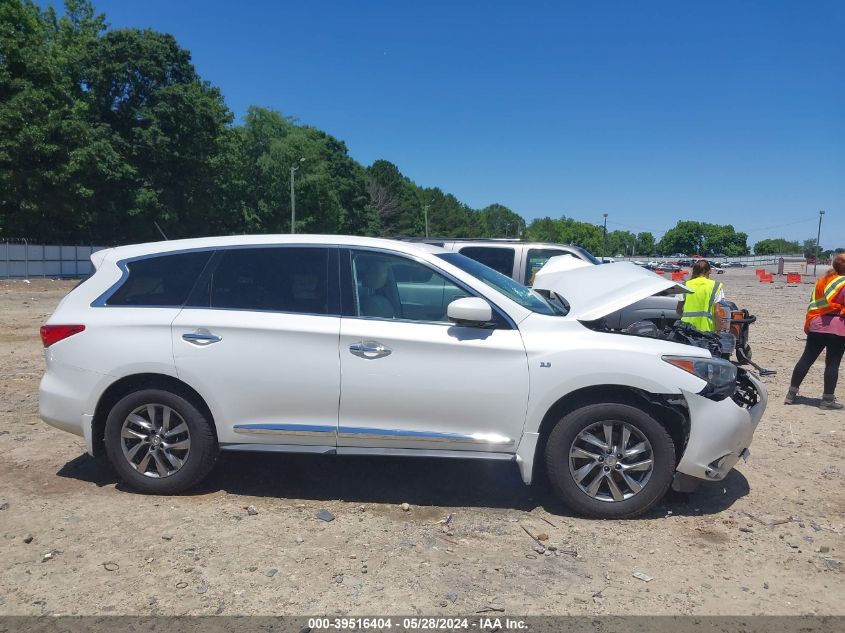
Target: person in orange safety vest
x=824, y=325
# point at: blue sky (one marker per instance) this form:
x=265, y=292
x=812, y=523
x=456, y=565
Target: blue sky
x=730, y=112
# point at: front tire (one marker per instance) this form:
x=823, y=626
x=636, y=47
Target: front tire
x=159, y=442
x=610, y=460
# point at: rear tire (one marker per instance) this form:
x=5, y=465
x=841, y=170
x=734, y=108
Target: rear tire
x=158, y=442
x=587, y=472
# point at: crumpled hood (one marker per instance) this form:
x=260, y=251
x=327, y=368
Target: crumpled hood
x=594, y=292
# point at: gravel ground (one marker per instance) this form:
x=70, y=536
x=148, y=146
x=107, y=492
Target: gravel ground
x=767, y=540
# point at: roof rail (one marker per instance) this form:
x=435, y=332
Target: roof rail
x=403, y=238
x=481, y=240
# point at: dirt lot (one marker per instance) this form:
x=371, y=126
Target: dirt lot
x=768, y=540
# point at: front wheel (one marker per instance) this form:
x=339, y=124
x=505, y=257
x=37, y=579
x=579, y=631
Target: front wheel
x=610, y=461
x=159, y=442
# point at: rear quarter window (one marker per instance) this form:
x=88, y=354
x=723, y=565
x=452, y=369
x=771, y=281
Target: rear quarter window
x=164, y=280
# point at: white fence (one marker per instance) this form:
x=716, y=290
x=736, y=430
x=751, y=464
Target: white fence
x=20, y=260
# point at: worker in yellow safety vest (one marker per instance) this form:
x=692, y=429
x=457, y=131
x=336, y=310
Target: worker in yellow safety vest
x=699, y=308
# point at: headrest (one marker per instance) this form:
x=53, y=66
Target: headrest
x=375, y=273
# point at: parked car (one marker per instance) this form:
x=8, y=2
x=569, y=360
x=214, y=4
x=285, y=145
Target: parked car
x=521, y=261
x=173, y=351
x=668, y=267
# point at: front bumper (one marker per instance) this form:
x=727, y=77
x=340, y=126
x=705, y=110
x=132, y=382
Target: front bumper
x=720, y=432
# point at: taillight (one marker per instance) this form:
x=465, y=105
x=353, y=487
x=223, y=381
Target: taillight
x=54, y=333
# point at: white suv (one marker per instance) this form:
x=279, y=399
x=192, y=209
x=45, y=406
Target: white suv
x=172, y=351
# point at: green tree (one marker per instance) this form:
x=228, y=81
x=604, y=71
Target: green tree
x=159, y=128
x=703, y=238
x=45, y=130
x=621, y=243
x=331, y=188
x=104, y=133
x=497, y=220
x=776, y=246
x=685, y=237
x=645, y=243
x=395, y=201
x=542, y=230
x=567, y=231
x=722, y=239
x=448, y=217
x=810, y=248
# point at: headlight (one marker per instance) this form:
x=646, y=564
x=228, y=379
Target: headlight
x=720, y=375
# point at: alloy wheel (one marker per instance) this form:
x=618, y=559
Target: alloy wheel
x=155, y=440
x=611, y=460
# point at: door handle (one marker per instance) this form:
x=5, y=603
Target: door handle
x=370, y=350
x=201, y=337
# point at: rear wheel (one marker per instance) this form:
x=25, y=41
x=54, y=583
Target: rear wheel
x=159, y=442
x=610, y=460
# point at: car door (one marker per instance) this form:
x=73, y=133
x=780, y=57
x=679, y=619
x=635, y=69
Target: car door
x=410, y=379
x=258, y=339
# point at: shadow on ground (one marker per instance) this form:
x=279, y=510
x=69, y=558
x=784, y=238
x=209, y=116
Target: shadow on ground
x=395, y=480
x=807, y=402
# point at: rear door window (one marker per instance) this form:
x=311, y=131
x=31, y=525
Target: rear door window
x=499, y=259
x=160, y=281
x=277, y=279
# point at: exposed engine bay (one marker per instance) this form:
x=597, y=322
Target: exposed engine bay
x=722, y=343
x=593, y=294
x=733, y=341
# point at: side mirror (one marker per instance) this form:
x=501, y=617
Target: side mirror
x=471, y=311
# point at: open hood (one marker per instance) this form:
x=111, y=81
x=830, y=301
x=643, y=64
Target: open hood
x=594, y=292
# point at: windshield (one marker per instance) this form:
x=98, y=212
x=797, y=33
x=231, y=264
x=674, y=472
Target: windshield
x=513, y=290
x=586, y=254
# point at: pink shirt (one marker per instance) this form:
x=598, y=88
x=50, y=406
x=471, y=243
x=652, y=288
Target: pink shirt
x=830, y=323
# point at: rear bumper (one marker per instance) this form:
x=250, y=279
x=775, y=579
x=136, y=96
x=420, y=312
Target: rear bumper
x=720, y=432
x=63, y=396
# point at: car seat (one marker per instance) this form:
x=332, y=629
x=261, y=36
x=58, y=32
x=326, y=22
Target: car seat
x=377, y=293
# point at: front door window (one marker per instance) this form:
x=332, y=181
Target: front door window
x=391, y=287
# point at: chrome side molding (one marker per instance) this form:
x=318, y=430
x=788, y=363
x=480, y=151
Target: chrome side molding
x=351, y=432
x=362, y=433
x=280, y=448
x=284, y=429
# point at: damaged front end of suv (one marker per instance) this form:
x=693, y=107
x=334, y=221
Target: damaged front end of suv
x=721, y=417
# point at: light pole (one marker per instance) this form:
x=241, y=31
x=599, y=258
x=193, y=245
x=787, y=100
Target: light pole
x=425, y=213
x=293, y=195
x=818, y=237
x=605, y=234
